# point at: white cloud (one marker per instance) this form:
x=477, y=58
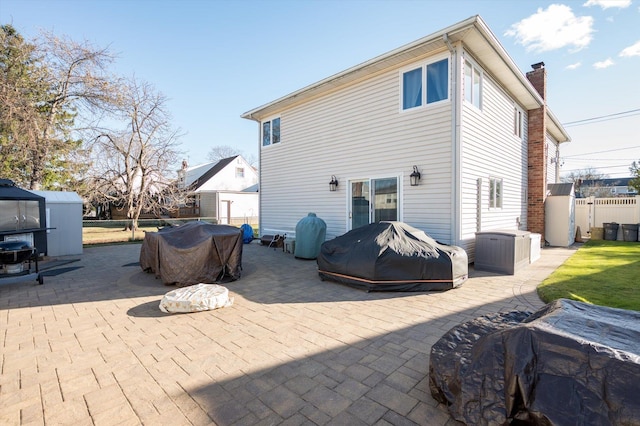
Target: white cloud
x=603, y=64
x=633, y=50
x=606, y=4
x=574, y=66
x=553, y=28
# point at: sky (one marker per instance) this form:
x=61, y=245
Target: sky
x=216, y=59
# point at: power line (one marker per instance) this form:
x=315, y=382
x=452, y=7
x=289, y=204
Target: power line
x=608, y=117
x=599, y=152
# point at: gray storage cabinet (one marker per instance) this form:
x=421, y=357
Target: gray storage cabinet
x=503, y=251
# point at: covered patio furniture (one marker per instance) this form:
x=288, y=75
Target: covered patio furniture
x=568, y=363
x=196, y=252
x=392, y=256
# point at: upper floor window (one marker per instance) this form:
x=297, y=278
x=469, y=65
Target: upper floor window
x=495, y=193
x=433, y=76
x=517, y=122
x=239, y=172
x=271, y=131
x=472, y=83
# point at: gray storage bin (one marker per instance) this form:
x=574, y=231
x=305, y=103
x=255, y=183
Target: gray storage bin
x=503, y=251
x=610, y=231
x=630, y=231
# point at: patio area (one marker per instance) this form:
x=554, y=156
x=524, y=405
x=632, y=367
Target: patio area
x=90, y=346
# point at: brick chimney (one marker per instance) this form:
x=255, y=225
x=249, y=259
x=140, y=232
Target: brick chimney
x=537, y=153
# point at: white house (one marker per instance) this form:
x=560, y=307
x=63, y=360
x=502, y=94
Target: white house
x=225, y=191
x=452, y=106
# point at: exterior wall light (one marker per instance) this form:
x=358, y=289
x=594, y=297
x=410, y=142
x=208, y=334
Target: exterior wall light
x=414, y=177
x=333, y=185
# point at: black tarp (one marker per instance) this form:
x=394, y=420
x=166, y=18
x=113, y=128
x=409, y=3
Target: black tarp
x=568, y=363
x=193, y=253
x=392, y=256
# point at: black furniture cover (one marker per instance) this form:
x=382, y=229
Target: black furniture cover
x=193, y=253
x=392, y=256
x=568, y=363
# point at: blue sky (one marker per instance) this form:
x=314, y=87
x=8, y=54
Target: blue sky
x=215, y=60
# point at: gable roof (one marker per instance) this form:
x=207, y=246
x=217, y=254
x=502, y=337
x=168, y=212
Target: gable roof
x=214, y=170
x=475, y=34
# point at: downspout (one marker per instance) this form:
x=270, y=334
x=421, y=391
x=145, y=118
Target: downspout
x=455, y=138
x=251, y=117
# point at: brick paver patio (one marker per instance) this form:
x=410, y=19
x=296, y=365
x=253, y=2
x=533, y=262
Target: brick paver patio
x=90, y=346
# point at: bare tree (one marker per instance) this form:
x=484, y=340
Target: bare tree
x=134, y=167
x=578, y=177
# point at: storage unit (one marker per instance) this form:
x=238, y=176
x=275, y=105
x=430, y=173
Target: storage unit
x=504, y=251
x=64, y=219
x=534, y=253
x=559, y=213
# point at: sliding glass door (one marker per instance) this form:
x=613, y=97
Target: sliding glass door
x=373, y=200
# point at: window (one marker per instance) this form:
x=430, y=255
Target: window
x=472, y=82
x=517, y=122
x=271, y=132
x=435, y=80
x=239, y=172
x=412, y=89
x=495, y=193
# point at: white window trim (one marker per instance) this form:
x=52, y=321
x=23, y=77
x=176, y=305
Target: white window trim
x=423, y=65
x=493, y=202
x=400, y=179
x=518, y=110
x=270, y=120
x=474, y=67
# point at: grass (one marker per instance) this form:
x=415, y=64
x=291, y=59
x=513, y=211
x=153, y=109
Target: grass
x=605, y=273
x=109, y=235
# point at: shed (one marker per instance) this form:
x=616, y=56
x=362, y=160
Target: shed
x=64, y=222
x=560, y=215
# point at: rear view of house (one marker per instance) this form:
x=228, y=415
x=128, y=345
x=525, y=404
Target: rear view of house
x=445, y=134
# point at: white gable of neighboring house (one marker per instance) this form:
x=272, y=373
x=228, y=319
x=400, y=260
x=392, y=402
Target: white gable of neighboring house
x=236, y=175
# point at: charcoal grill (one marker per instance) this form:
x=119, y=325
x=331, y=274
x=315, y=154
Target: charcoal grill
x=17, y=259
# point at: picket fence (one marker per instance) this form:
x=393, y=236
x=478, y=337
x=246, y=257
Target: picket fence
x=593, y=212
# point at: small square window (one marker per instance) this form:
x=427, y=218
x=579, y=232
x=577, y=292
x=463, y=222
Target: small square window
x=239, y=172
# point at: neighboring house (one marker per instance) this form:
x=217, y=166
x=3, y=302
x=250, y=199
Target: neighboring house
x=452, y=106
x=225, y=191
x=605, y=188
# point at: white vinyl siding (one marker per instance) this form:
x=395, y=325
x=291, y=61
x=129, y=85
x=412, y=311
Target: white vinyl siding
x=489, y=150
x=552, y=150
x=358, y=133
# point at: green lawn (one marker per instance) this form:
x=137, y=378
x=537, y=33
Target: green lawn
x=109, y=235
x=601, y=272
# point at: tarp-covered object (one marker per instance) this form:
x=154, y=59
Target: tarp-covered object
x=392, y=256
x=568, y=363
x=195, y=298
x=310, y=234
x=196, y=252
